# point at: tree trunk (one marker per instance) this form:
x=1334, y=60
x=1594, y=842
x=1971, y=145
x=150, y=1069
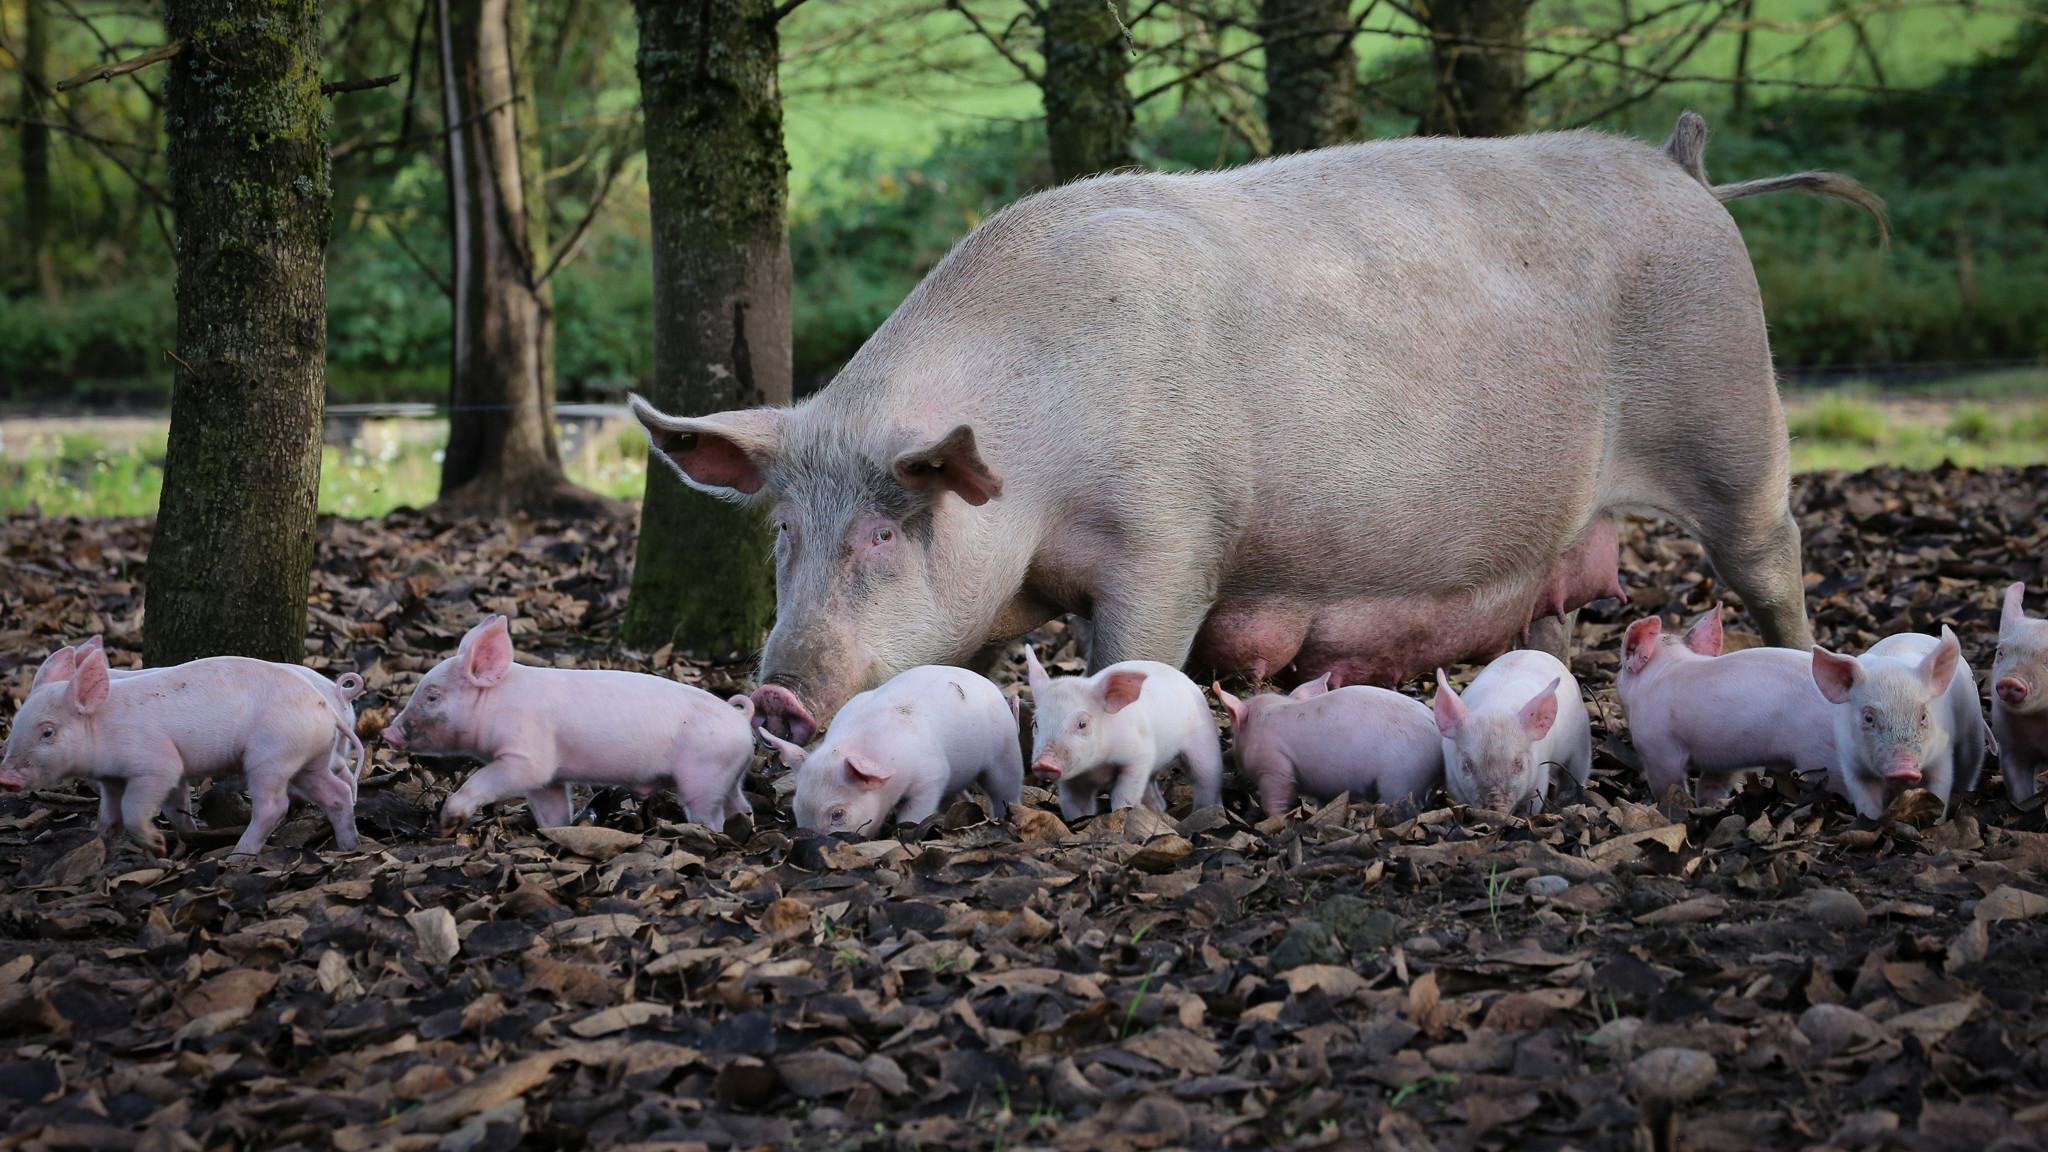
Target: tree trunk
x=502, y=455
x=1311, y=73
x=229, y=566
x=1480, y=68
x=35, y=147
x=718, y=191
x=1088, y=109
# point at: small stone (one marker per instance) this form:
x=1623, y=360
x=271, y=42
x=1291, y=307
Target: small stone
x=1836, y=908
x=1866, y=1128
x=1834, y=1027
x=1307, y=942
x=1674, y=1074
x=1616, y=1039
x=1422, y=946
x=1546, y=885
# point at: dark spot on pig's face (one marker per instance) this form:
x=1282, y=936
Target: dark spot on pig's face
x=426, y=718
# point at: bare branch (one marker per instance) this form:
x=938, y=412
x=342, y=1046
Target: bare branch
x=109, y=71
x=995, y=41
x=340, y=86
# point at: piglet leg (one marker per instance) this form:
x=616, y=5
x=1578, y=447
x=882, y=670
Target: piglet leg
x=335, y=798
x=178, y=806
x=109, y=824
x=505, y=776
x=1276, y=793
x=269, y=799
x=1205, y=770
x=551, y=806
x=140, y=800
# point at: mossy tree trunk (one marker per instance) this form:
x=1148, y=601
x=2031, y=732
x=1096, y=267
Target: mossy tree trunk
x=1311, y=73
x=718, y=189
x=1480, y=67
x=35, y=146
x=1088, y=110
x=229, y=567
x=502, y=454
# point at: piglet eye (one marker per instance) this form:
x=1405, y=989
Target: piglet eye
x=49, y=731
x=1870, y=717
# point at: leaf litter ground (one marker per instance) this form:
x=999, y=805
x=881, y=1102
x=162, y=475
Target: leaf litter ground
x=1617, y=974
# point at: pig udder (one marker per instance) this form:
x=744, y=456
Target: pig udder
x=1385, y=640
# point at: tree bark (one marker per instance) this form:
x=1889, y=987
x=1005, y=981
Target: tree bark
x=1088, y=110
x=502, y=456
x=233, y=550
x=35, y=147
x=1311, y=73
x=1480, y=67
x=718, y=190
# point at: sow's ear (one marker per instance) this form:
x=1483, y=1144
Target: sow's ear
x=951, y=463
x=726, y=454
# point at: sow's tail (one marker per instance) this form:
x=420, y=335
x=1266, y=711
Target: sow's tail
x=1687, y=148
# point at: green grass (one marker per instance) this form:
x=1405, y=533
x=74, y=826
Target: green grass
x=393, y=463
x=1851, y=430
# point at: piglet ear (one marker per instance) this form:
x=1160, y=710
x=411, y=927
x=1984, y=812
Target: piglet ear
x=90, y=683
x=2014, y=612
x=58, y=668
x=1450, y=710
x=792, y=754
x=1639, y=644
x=490, y=655
x=1231, y=705
x=1120, y=690
x=1539, y=714
x=1705, y=636
x=1035, y=672
x=1939, y=669
x=951, y=463
x=1315, y=687
x=1835, y=675
x=866, y=777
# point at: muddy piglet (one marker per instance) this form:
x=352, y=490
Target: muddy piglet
x=1905, y=716
x=1521, y=718
x=539, y=730
x=906, y=747
x=1121, y=728
x=1370, y=742
x=1690, y=708
x=142, y=738
x=2019, y=695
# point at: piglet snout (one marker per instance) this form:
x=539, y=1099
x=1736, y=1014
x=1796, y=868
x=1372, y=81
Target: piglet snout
x=1903, y=770
x=394, y=737
x=1046, y=770
x=2012, y=690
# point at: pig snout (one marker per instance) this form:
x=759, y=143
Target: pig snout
x=1046, y=770
x=1903, y=771
x=1051, y=764
x=395, y=737
x=1498, y=800
x=10, y=782
x=777, y=709
x=2012, y=690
